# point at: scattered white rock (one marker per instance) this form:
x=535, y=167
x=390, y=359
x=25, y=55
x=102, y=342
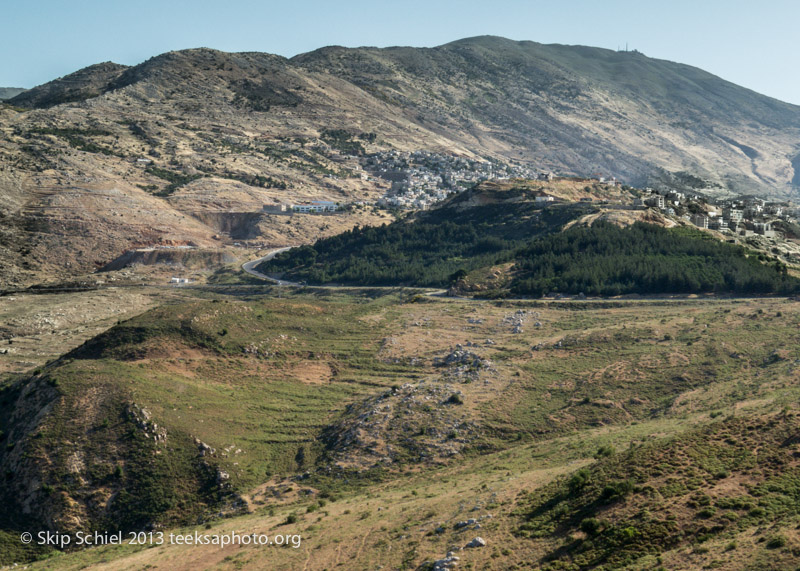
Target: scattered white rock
x=449, y=562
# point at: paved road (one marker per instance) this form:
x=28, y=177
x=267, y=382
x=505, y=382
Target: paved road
x=248, y=267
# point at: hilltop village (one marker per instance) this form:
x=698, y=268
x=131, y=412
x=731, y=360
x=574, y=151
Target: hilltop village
x=420, y=179
x=745, y=216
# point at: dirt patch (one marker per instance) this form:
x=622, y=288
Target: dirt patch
x=276, y=492
x=678, y=359
x=312, y=372
x=157, y=351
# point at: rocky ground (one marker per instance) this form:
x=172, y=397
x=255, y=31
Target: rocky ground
x=39, y=327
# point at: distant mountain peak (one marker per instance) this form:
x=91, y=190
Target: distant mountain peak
x=83, y=84
x=575, y=109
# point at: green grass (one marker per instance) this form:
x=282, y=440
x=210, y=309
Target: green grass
x=260, y=380
x=656, y=497
x=222, y=372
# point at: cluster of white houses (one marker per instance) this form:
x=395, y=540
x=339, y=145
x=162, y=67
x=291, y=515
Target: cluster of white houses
x=312, y=207
x=422, y=178
x=745, y=216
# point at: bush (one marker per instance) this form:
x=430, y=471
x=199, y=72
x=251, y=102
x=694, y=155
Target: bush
x=616, y=490
x=604, y=451
x=706, y=513
x=578, y=480
x=591, y=526
x=455, y=398
x=776, y=542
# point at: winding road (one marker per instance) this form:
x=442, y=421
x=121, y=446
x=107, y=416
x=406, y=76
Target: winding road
x=249, y=268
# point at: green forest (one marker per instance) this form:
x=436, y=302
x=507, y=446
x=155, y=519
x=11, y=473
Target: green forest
x=643, y=258
x=436, y=247
x=427, y=249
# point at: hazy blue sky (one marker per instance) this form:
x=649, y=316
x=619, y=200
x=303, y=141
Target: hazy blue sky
x=754, y=44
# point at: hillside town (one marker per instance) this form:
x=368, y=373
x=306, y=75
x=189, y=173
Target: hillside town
x=422, y=178
x=744, y=216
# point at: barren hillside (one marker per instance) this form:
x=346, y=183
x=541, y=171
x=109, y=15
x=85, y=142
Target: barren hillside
x=111, y=157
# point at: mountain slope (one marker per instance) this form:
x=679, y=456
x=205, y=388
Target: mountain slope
x=9, y=92
x=148, y=151
x=732, y=484
x=78, y=86
x=581, y=109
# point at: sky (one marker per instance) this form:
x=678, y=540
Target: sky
x=753, y=44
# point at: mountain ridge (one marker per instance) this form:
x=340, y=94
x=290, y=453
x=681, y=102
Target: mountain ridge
x=213, y=124
x=552, y=84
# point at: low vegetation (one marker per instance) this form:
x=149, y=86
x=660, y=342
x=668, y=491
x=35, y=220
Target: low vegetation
x=175, y=179
x=574, y=434
x=80, y=138
x=733, y=478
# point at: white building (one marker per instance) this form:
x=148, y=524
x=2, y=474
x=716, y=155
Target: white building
x=316, y=206
x=733, y=214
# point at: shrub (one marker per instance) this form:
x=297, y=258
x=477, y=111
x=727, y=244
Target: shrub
x=455, y=399
x=578, y=480
x=706, y=513
x=776, y=542
x=591, y=526
x=604, y=451
x=616, y=490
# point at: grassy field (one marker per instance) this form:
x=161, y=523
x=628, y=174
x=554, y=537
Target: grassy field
x=371, y=425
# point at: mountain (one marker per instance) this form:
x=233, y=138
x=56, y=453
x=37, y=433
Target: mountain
x=83, y=84
x=9, y=92
x=111, y=157
x=580, y=109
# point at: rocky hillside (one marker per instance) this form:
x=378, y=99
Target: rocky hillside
x=723, y=494
x=111, y=157
x=580, y=109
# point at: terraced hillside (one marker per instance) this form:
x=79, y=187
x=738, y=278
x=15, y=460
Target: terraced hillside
x=388, y=429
